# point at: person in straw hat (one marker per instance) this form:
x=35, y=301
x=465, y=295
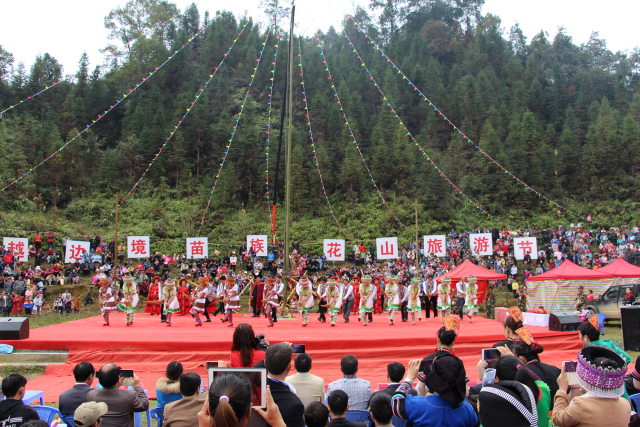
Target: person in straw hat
x=367, y=298
x=270, y=299
x=413, y=300
x=107, y=300
x=231, y=300
x=444, y=298
x=305, y=299
x=200, y=299
x=170, y=300
x=471, y=297
x=129, y=299
x=333, y=296
x=392, y=296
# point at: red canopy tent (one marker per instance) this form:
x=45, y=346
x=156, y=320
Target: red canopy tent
x=570, y=271
x=467, y=269
x=621, y=268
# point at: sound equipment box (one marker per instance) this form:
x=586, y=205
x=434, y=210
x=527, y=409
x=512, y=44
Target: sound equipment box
x=14, y=328
x=564, y=321
x=630, y=319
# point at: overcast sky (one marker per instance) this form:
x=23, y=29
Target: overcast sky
x=67, y=28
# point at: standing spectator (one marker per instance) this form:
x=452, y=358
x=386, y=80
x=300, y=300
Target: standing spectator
x=347, y=298
x=4, y=302
x=338, y=405
x=122, y=403
x=461, y=287
x=14, y=413
x=71, y=399
x=278, y=363
x=183, y=412
x=168, y=387
x=359, y=390
x=38, y=241
x=50, y=237
x=309, y=388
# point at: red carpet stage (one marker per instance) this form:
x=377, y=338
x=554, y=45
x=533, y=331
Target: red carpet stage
x=149, y=345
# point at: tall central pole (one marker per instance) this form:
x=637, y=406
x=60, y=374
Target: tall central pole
x=115, y=241
x=287, y=202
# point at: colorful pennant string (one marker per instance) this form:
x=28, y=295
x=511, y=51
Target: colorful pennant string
x=387, y=101
x=346, y=122
x=312, y=142
x=235, y=128
x=100, y=116
x=175, y=128
x=31, y=97
x=270, y=103
x=465, y=137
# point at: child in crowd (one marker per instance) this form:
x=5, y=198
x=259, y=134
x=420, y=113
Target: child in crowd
x=58, y=304
x=46, y=308
x=77, y=305
x=28, y=306
x=37, y=303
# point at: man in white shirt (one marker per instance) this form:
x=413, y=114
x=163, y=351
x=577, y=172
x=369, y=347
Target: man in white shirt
x=279, y=288
x=347, y=299
x=461, y=287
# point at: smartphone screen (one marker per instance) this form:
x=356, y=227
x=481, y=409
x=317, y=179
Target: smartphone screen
x=570, y=368
x=212, y=365
x=298, y=348
x=126, y=373
x=490, y=354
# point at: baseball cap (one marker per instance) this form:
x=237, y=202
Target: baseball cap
x=89, y=412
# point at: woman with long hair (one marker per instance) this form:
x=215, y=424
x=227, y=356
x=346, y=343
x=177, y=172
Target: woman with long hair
x=245, y=351
x=168, y=387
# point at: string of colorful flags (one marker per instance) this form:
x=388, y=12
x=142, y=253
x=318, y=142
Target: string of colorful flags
x=270, y=104
x=175, y=128
x=100, y=116
x=346, y=122
x=31, y=97
x=410, y=135
x=235, y=127
x=464, y=136
x=312, y=142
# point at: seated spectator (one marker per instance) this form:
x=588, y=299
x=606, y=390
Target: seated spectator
x=511, y=324
x=359, y=390
x=632, y=381
x=168, y=387
x=183, y=413
x=380, y=408
x=497, y=406
x=528, y=354
x=245, y=351
x=447, y=379
x=228, y=404
x=277, y=360
x=13, y=412
x=338, y=406
x=71, y=399
x=600, y=373
x=122, y=403
x=589, y=334
x=395, y=373
x=309, y=388
x=90, y=414
x=35, y=423
x=316, y=415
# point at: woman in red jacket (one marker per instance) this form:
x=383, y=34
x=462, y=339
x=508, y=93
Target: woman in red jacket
x=184, y=296
x=153, y=297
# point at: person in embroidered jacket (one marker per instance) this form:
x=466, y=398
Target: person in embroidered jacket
x=471, y=297
x=333, y=297
x=129, y=300
x=444, y=298
x=231, y=300
x=392, y=296
x=270, y=299
x=359, y=390
x=305, y=298
x=170, y=300
x=367, y=296
x=413, y=300
x=200, y=298
x=107, y=301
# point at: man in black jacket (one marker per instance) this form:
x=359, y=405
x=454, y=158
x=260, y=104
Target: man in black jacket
x=74, y=397
x=395, y=374
x=277, y=360
x=13, y=412
x=338, y=402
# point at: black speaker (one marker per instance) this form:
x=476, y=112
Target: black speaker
x=564, y=321
x=630, y=319
x=14, y=328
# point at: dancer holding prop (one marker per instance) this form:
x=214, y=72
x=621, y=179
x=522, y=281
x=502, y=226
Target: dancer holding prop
x=153, y=307
x=367, y=292
x=392, y=296
x=413, y=305
x=305, y=299
x=270, y=300
x=444, y=298
x=170, y=300
x=199, y=300
x=129, y=299
x=106, y=299
x=471, y=303
x=231, y=299
x=333, y=297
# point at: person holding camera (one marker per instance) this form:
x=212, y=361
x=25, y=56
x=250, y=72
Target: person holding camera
x=246, y=350
x=122, y=403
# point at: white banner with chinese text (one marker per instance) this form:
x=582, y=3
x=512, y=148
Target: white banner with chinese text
x=387, y=247
x=334, y=249
x=435, y=245
x=481, y=244
x=19, y=245
x=138, y=247
x=258, y=243
x=73, y=251
x=197, y=247
x=525, y=246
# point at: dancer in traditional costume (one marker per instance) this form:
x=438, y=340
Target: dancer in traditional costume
x=129, y=299
x=305, y=299
x=376, y=283
x=471, y=295
x=231, y=300
x=153, y=305
x=170, y=300
x=413, y=300
x=392, y=296
x=333, y=297
x=355, y=282
x=367, y=298
x=106, y=299
x=444, y=298
x=200, y=298
x=184, y=298
x=257, y=290
x=270, y=300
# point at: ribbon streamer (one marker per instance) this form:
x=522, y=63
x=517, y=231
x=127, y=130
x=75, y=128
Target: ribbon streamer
x=346, y=122
x=175, y=129
x=442, y=174
x=465, y=137
x=235, y=128
x=100, y=116
x=313, y=146
x=31, y=97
